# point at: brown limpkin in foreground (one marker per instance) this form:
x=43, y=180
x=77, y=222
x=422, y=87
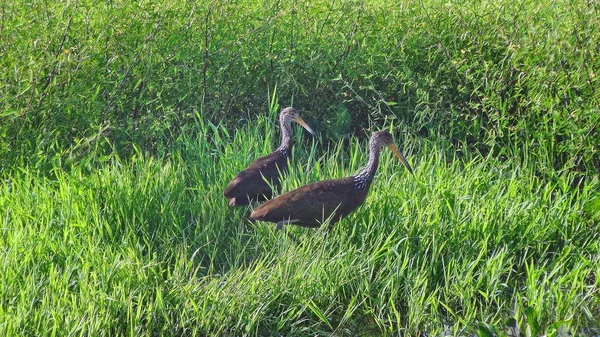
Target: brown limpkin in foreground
x=310, y=205
x=251, y=185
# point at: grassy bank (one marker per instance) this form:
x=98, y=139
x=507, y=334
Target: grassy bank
x=150, y=247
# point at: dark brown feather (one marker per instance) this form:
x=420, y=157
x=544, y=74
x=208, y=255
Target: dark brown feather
x=312, y=204
x=252, y=184
x=249, y=185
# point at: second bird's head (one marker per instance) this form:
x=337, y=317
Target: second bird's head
x=380, y=139
x=289, y=115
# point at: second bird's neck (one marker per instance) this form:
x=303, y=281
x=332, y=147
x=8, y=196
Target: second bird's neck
x=364, y=178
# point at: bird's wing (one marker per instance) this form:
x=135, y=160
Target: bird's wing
x=307, y=203
x=318, y=202
x=251, y=178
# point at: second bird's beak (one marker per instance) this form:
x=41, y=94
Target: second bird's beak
x=394, y=148
x=304, y=125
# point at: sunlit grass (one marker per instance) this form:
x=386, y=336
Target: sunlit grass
x=150, y=247
x=112, y=215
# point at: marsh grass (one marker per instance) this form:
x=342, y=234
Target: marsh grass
x=149, y=246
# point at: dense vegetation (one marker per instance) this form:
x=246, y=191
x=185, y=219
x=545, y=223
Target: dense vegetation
x=121, y=122
x=489, y=75
x=151, y=247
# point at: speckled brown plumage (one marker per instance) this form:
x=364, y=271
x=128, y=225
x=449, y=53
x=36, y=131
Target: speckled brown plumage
x=331, y=200
x=250, y=185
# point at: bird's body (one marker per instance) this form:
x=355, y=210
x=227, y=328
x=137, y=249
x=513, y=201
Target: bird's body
x=331, y=200
x=253, y=184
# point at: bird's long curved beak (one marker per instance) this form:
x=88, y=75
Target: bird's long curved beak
x=394, y=148
x=304, y=125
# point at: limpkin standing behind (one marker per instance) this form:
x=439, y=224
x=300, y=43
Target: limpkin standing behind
x=249, y=185
x=310, y=205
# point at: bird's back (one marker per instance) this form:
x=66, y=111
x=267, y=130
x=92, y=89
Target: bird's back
x=312, y=204
x=249, y=184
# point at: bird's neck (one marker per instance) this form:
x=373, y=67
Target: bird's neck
x=364, y=178
x=286, y=139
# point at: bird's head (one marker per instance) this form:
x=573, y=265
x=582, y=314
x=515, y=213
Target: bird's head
x=380, y=139
x=289, y=115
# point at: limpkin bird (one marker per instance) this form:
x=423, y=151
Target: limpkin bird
x=250, y=185
x=310, y=205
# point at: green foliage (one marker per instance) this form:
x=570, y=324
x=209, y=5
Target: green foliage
x=121, y=122
x=488, y=75
x=149, y=247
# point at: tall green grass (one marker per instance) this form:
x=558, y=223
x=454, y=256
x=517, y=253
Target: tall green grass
x=148, y=246
x=485, y=74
